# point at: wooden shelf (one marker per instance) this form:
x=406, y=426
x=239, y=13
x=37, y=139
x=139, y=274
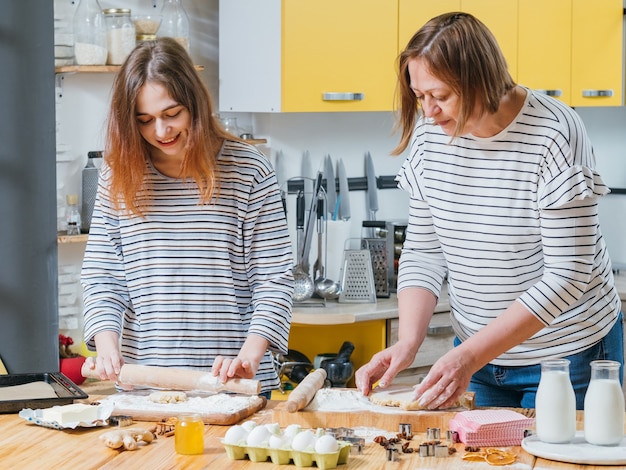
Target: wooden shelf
x=62, y=237
x=96, y=68
x=256, y=141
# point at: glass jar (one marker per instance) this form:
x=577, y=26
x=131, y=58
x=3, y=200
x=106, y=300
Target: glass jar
x=555, y=403
x=604, y=405
x=120, y=34
x=90, y=36
x=175, y=22
x=189, y=434
x=72, y=215
x=230, y=125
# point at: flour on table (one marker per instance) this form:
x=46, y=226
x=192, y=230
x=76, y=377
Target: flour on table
x=218, y=403
x=333, y=399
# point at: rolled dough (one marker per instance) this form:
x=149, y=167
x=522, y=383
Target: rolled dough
x=29, y=391
x=401, y=396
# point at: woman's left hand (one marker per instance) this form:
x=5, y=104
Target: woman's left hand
x=228, y=367
x=447, y=379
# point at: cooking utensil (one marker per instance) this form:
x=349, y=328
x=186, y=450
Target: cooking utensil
x=357, y=277
x=340, y=369
x=331, y=187
x=303, y=285
x=279, y=169
x=306, y=171
x=344, y=203
x=310, y=226
x=306, y=390
x=178, y=379
x=324, y=287
x=372, y=190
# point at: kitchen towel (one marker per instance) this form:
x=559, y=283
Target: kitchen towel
x=484, y=428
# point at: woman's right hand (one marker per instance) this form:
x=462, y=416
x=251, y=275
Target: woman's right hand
x=108, y=363
x=383, y=367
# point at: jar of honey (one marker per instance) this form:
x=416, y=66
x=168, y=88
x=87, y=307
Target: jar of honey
x=189, y=434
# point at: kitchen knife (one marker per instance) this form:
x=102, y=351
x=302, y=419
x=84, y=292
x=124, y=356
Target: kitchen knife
x=372, y=190
x=170, y=378
x=344, y=203
x=306, y=171
x=331, y=187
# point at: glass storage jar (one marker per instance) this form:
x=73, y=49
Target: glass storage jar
x=189, y=434
x=175, y=22
x=90, y=38
x=120, y=34
x=555, y=403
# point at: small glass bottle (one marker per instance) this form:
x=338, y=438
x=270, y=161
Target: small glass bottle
x=72, y=215
x=604, y=405
x=90, y=36
x=555, y=403
x=189, y=434
x=120, y=34
x=175, y=22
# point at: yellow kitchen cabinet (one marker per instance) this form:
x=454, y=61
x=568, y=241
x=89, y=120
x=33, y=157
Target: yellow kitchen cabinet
x=544, y=54
x=413, y=14
x=368, y=337
x=500, y=16
x=597, y=53
x=297, y=56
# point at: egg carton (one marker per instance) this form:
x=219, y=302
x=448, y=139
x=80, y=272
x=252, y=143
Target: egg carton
x=285, y=456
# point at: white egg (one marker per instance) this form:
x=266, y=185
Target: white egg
x=304, y=440
x=277, y=441
x=274, y=428
x=326, y=444
x=258, y=437
x=235, y=435
x=291, y=430
x=249, y=425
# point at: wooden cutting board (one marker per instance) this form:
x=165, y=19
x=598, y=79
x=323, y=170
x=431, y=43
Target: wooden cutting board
x=140, y=408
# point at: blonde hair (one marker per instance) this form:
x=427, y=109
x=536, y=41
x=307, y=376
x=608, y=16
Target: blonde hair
x=460, y=50
x=166, y=62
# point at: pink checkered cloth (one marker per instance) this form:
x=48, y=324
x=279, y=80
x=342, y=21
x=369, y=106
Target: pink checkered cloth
x=484, y=428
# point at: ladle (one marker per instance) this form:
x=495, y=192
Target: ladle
x=324, y=288
x=303, y=285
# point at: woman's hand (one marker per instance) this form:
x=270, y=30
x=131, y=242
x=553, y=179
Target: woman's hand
x=108, y=363
x=384, y=366
x=246, y=364
x=447, y=379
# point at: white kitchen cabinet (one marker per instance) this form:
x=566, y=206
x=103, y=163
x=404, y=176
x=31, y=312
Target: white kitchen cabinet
x=294, y=56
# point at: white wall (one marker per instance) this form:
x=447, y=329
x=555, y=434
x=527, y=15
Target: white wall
x=83, y=98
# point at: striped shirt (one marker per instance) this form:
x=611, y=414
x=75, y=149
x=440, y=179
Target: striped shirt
x=508, y=218
x=191, y=281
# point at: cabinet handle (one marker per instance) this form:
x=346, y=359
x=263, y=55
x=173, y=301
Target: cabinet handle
x=555, y=93
x=597, y=93
x=440, y=330
x=339, y=96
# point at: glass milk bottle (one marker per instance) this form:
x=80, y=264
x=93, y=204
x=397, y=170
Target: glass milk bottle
x=555, y=403
x=604, y=405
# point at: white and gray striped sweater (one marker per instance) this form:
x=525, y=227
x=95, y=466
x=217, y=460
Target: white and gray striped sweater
x=191, y=281
x=512, y=218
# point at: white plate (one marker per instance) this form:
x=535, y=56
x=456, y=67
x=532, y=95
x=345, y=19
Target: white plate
x=578, y=451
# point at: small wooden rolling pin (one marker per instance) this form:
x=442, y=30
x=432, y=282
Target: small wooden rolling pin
x=178, y=379
x=302, y=395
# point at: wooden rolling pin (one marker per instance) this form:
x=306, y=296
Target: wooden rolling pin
x=302, y=395
x=170, y=378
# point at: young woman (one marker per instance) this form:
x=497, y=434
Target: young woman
x=503, y=202
x=189, y=261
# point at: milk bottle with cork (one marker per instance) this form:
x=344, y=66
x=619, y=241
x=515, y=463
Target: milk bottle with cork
x=555, y=403
x=604, y=405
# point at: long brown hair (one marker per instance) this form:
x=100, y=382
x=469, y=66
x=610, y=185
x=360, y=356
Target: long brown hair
x=166, y=62
x=461, y=51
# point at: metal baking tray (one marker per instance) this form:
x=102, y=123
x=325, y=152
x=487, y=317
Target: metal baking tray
x=66, y=391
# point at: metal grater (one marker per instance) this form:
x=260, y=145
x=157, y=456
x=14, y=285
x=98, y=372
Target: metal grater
x=357, y=278
x=380, y=264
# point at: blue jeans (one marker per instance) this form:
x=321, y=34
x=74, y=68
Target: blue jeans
x=516, y=386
